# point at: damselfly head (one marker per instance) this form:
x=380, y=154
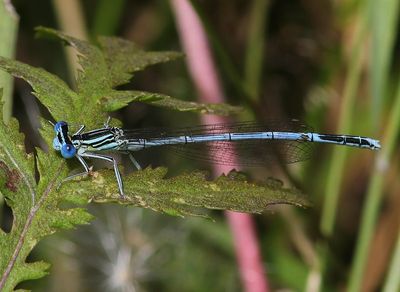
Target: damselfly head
x=68, y=151
x=62, y=141
x=59, y=125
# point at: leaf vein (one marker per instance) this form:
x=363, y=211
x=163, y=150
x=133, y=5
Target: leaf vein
x=25, y=230
x=25, y=179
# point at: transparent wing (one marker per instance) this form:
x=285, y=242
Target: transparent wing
x=244, y=152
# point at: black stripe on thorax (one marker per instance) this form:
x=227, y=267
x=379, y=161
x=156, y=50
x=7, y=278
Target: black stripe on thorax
x=103, y=142
x=95, y=134
x=96, y=138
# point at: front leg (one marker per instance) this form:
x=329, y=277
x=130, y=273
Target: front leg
x=83, y=174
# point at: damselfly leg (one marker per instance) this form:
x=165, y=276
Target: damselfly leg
x=116, y=170
x=133, y=160
x=83, y=174
x=88, y=170
x=80, y=130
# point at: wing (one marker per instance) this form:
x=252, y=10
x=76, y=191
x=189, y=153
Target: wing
x=244, y=152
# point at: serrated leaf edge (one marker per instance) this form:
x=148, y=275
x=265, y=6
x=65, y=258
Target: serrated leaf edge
x=16, y=165
x=25, y=230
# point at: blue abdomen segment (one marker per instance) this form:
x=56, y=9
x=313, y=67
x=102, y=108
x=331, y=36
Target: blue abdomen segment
x=348, y=140
x=354, y=141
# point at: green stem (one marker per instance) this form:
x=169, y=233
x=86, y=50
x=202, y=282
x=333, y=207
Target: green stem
x=107, y=17
x=71, y=19
x=227, y=66
x=8, y=35
x=374, y=196
x=339, y=155
x=336, y=169
x=392, y=283
x=384, y=19
x=255, y=47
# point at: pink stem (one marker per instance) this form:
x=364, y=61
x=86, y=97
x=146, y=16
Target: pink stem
x=205, y=78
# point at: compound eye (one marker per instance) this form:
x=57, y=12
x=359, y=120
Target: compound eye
x=58, y=125
x=68, y=151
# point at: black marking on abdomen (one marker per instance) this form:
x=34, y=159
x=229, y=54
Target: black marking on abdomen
x=365, y=142
x=352, y=140
x=333, y=138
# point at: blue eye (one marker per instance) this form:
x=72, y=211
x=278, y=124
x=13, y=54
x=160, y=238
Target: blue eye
x=58, y=125
x=68, y=151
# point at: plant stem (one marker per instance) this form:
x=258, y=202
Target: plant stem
x=392, y=283
x=255, y=47
x=384, y=21
x=205, y=77
x=107, y=17
x=335, y=174
x=8, y=34
x=374, y=196
x=339, y=154
x=71, y=19
x=227, y=65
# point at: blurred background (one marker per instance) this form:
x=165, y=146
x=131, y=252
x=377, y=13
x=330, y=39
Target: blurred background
x=331, y=64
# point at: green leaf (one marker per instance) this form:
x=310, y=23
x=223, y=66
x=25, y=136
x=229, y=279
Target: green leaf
x=48, y=88
x=187, y=194
x=124, y=58
x=34, y=205
x=17, y=166
x=119, y=99
x=113, y=64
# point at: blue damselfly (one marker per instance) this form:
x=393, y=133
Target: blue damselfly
x=247, y=143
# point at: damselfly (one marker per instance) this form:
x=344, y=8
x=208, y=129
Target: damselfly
x=240, y=144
